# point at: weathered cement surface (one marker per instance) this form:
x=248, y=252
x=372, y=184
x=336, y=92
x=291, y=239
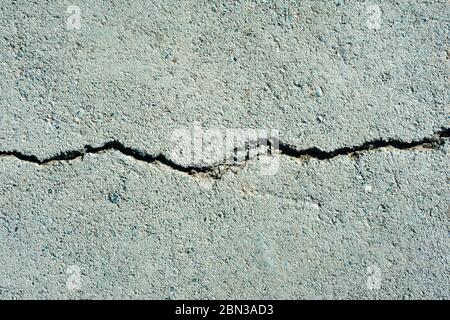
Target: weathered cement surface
x=139, y=230
x=137, y=71
x=325, y=74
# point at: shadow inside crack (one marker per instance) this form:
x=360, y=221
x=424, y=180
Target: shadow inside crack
x=215, y=171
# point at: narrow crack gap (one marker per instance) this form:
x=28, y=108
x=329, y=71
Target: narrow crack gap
x=429, y=142
x=433, y=142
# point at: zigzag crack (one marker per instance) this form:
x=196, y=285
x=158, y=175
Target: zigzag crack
x=433, y=142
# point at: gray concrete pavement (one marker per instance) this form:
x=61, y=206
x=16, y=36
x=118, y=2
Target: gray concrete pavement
x=131, y=221
x=139, y=230
x=323, y=74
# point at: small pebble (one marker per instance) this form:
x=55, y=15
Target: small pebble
x=79, y=113
x=114, y=198
x=318, y=93
x=284, y=108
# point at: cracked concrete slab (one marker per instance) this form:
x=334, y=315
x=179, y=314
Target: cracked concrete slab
x=139, y=230
x=335, y=184
x=272, y=151
x=315, y=70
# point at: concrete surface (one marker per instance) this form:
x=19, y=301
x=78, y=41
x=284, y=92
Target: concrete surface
x=332, y=75
x=139, y=230
x=137, y=70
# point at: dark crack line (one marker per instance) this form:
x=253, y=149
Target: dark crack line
x=111, y=145
x=433, y=142
x=430, y=143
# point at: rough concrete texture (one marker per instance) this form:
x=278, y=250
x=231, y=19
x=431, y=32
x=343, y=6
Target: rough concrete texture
x=329, y=75
x=137, y=70
x=140, y=230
